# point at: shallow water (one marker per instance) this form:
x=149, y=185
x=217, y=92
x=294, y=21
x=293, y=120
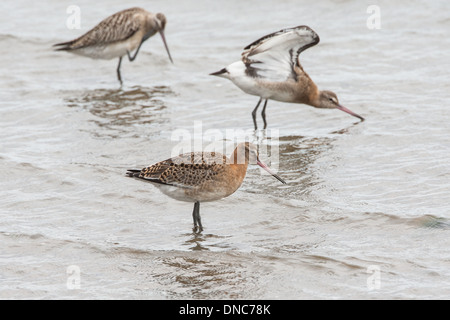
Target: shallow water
x=365, y=213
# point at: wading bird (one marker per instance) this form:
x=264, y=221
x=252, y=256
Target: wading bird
x=270, y=69
x=118, y=35
x=202, y=176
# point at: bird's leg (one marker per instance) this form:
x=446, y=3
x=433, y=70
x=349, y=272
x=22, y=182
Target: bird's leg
x=118, y=70
x=254, y=113
x=196, y=215
x=263, y=114
x=131, y=58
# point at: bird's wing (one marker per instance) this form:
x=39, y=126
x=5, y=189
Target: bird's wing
x=118, y=27
x=184, y=171
x=274, y=56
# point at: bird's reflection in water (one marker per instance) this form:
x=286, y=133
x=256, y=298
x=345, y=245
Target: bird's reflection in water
x=195, y=241
x=204, y=241
x=117, y=111
x=202, y=276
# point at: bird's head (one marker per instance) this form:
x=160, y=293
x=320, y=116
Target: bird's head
x=329, y=100
x=160, y=21
x=160, y=25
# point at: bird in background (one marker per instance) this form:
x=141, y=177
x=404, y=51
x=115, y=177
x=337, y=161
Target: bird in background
x=202, y=176
x=118, y=35
x=270, y=69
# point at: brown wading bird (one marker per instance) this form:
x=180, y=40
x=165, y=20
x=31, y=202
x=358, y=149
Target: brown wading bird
x=270, y=69
x=118, y=35
x=202, y=176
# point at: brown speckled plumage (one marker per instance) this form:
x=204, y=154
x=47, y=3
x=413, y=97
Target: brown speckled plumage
x=118, y=35
x=188, y=170
x=201, y=176
x=117, y=27
x=198, y=176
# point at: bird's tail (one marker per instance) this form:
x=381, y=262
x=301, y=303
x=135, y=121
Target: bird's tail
x=133, y=173
x=63, y=46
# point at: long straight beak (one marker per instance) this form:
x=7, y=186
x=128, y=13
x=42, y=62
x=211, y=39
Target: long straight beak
x=349, y=112
x=165, y=44
x=219, y=73
x=265, y=167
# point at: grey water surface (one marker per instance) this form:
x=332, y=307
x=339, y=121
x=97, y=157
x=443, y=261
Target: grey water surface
x=365, y=213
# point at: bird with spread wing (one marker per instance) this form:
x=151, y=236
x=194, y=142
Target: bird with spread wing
x=270, y=69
